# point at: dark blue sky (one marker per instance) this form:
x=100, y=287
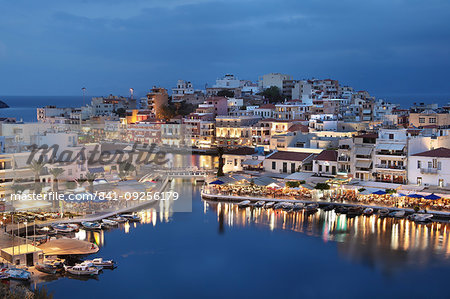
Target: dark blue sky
x=384, y=46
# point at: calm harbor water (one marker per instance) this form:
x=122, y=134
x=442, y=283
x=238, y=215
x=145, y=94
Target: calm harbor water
x=218, y=250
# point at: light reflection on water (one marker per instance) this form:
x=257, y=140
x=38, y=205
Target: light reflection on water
x=389, y=240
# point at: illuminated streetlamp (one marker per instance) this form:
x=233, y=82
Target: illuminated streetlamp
x=131, y=93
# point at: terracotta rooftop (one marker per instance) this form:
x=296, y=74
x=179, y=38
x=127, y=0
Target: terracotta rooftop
x=289, y=156
x=267, y=106
x=327, y=155
x=441, y=152
x=298, y=127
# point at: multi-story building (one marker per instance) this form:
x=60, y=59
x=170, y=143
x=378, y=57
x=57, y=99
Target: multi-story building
x=288, y=162
x=183, y=88
x=344, y=157
x=362, y=151
x=325, y=163
x=429, y=118
x=273, y=79
x=156, y=99
x=390, y=159
x=430, y=168
x=235, y=130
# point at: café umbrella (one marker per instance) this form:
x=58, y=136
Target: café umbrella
x=217, y=182
x=415, y=195
x=432, y=196
x=379, y=192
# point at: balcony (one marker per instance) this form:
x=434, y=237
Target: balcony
x=429, y=170
x=344, y=159
x=394, y=167
x=388, y=153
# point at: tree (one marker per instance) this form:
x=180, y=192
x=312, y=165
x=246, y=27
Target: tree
x=322, y=186
x=37, y=167
x=225, y=93
x=121, y=112
x=292, y=184
x=220, y=152
x=273, y=94
x=56, y=172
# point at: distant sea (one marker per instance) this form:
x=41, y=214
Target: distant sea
x=24, y=107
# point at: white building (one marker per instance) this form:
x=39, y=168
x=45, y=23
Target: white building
x=430, y=168
x=273, y=79
x=288, y=162
x=325, y=163
x=228, y=81
x=183, y=88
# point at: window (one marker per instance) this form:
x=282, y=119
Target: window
x=441, y=183
x=419, y=181
x=421, y=120
x=292, y=167
x=430, y=164
x=432, y=120
x=418, y=164
x=327, y=169
x=391, y=136
x=439, y=165
x=274, y=165
x=320, y=168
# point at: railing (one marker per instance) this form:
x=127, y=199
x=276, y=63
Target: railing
x=429, y=170
x=391, y=154
x=344, y=159
x=385, y=166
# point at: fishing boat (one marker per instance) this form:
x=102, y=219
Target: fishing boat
x=89, y=263
x=298, y=206
x=354, y=211
x=397, y=214
x=278, y=205
x=368, y=211
x=74, y=226
x=244, y=204
x=328, y=208
x=131, y=217
x=117, y=218
x=269, y=204
x=18, y=274
x=62, y=228
x=287, y=206
x=48, y=268
x=103, y=263
x=82, y=270
x=383, y=212
x=110, y=222
x=91, y=225
x=259, y=203
x=421, y=218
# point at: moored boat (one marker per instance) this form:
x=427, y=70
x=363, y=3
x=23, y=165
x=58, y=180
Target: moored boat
x=117, y=218
x=91, y=225
x=110, y=264
x=269, y=204
x=383, y=212
x=259, y=203
x=311, y=208
x=46, y=268
x=18, y=274
x=298, y=206
x=82, y=270
x=110, y=222
x=341, y=209
x=328, y=207
x=62, y=228
x=244, y=204
x=354, y=211
x=368, y=211
x=131, y=217
x=397, y=214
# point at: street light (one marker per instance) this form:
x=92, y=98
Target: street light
x=26, y=234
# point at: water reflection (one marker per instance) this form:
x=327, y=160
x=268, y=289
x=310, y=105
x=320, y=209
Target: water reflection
x=388, y=241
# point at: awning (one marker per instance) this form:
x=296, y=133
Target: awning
x=390, y=147
x=252, y=162
x=363, y=164
x=299, y=176
x=363, y=151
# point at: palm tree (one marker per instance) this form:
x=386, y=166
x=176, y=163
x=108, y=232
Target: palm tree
x=37, y=167
x=220, y=152
x=90, y=177
x=56, y=172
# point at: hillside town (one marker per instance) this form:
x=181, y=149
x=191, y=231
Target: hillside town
x=312, y=131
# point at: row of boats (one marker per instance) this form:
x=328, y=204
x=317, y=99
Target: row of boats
x=95, y=225
x=55, y=266
x=350, y=211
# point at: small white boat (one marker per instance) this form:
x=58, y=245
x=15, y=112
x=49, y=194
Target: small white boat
x=131, y=217
x=260, y=203
x=62, y=228
x=398, y=214
x=89, y=263
x=244, y=204
x=74, y=226
x=110, y=222
x=269, y=204
x=100, y=262
x=421, y=218
x=383, y=212
x=91, y=225
x=117, y=219
x=82, y=270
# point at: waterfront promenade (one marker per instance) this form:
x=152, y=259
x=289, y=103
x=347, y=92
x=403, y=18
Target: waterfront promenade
x=208, y=195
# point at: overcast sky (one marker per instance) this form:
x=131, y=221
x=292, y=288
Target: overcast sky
x=384, y=46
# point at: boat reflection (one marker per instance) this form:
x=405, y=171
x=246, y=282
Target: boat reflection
x=395, y=241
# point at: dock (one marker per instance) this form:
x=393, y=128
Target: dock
x=68, y=247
